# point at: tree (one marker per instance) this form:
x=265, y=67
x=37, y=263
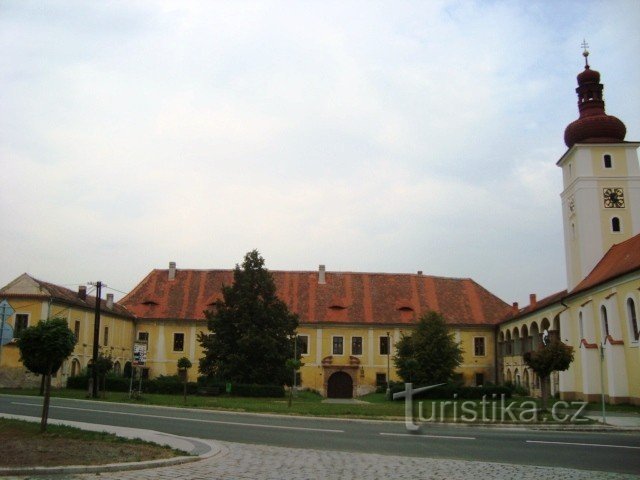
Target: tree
x=43, y=349
x=104, y=364
x=184, y=364
x=251, y=329
x=554, y=357
x=430, y=354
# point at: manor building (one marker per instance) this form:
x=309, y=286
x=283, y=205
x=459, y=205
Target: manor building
x=350, y=322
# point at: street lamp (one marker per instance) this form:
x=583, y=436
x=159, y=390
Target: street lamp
x=388, y=366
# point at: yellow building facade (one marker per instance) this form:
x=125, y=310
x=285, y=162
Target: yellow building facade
x=350, y=322
x=34, y=300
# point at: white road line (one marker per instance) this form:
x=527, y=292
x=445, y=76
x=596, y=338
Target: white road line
x=221, y=422
x=584, y=444
x=419, y=435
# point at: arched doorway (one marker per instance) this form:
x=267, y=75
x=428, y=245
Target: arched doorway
x=340, y=385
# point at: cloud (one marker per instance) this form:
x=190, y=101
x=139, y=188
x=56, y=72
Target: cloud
x=371, y=137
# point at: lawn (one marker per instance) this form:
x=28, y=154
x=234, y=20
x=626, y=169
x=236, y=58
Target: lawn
x=375, y=406
x=24, y=446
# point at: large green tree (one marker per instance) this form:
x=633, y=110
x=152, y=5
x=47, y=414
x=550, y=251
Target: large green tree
x=430, y=354
x=43, y=348
x=554, y=357
x=251, y=329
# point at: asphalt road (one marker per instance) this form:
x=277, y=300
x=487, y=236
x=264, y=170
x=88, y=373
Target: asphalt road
x=599, y=451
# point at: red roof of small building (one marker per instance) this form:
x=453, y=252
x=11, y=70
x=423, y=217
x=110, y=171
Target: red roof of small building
x=62, y=295
x=345, y=298
x=622, y=258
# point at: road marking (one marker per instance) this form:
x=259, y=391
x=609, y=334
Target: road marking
x=584, y=444
x=221, y=422
x=414, y=435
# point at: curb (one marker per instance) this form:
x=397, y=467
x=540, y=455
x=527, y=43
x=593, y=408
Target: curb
x=206, y=449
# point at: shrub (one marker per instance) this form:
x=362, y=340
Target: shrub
x=454, y=390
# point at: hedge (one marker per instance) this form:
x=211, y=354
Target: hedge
x=240, y=389
x=171, y=384
x=163, y=384
x=452, y=390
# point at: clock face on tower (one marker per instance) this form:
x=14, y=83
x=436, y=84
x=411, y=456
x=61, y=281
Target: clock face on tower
x=613, y=197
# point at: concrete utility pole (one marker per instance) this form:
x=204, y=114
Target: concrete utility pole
x=96, y=338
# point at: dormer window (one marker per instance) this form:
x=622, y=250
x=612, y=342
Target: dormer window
x=337, y=307
x=405, y=309
x=149, y=303
x=607, y=161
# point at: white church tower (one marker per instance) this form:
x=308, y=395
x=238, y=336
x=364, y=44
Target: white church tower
x=601, y=180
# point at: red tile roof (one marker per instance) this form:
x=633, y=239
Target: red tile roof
x=539, y=305
x=346, y=297
x=621, y=259
x=66, y=296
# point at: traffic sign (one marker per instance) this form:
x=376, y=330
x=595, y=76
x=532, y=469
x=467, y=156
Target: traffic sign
x=6, y=335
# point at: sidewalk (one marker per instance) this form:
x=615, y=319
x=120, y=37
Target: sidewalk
x=617, y=419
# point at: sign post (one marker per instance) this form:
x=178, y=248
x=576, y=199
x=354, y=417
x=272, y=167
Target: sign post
x=139, y=360
x=6, y=311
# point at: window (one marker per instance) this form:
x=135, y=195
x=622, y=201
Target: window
x=106, y=336
x=384, y=345
x=338, y=345
x=303, y=344
x=607, y=161
x=143, y=337
x=605, y=321
x=633, y=319
x=76, y=330
x=356, y=345
x=381, y=379
x=178, y=342
x=581, y=324
x=478, y=346
x=615, y=224
x=21, y=322
x=479, y=379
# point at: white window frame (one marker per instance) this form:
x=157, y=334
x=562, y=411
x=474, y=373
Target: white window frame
x=173, y=345
x=361, y=345
x=484, y=346
x=307, y=337
x=15, y=320
x=141, y=340
x=333, y=337
x=380, y=345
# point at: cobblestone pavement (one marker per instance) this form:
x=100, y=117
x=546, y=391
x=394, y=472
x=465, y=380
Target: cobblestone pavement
x=240, y=461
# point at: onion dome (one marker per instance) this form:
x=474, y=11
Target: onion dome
x=594, y=125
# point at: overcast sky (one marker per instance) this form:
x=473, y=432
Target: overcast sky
x=367, y=136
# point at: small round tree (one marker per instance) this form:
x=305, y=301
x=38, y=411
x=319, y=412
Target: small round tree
x=43, y=349
x=184, y=364
x=554, y=357
x=104, y=364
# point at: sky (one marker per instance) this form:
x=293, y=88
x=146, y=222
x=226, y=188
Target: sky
x=371, y=136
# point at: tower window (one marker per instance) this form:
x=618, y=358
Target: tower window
x=633, y=320
x=615, y=224
x=605, y=321
x=607, y=161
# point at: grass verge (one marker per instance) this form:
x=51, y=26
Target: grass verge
x=24, y=446
x=375, y=406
